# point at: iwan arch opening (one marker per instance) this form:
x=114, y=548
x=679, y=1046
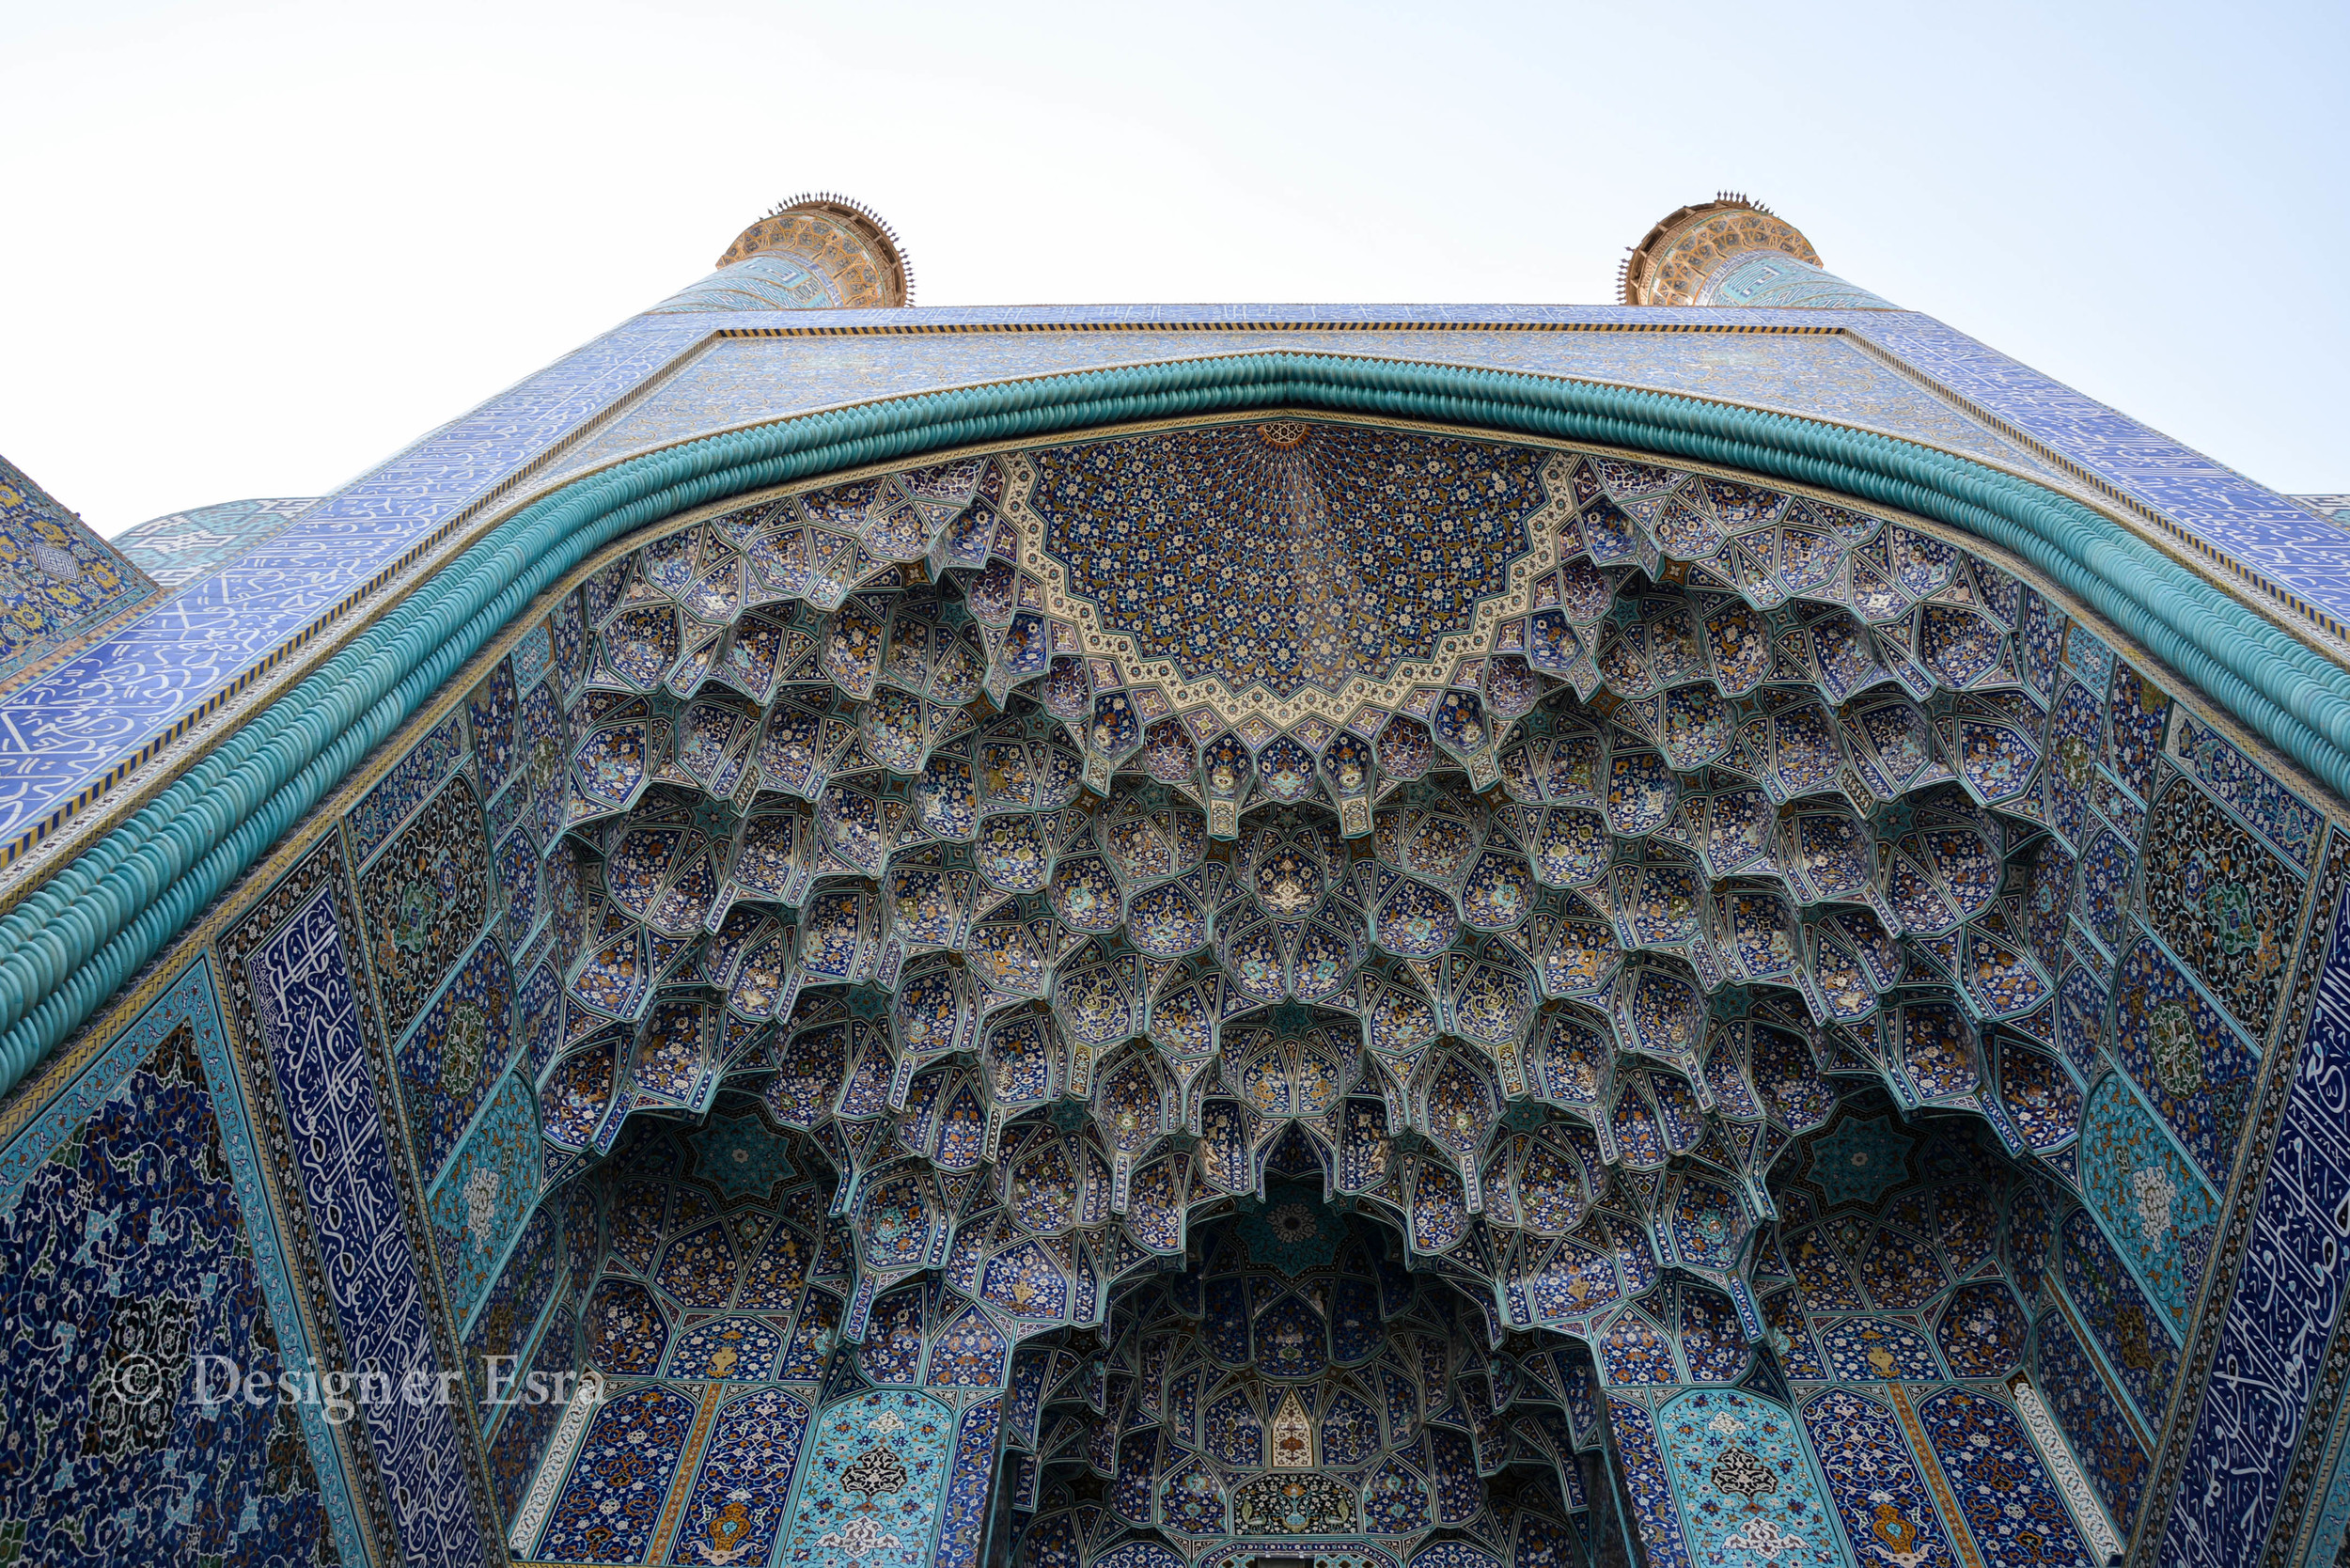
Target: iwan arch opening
x=1454, y=936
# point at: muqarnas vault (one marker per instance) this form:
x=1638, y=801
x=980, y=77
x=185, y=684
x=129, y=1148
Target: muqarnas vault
x=1703, y=931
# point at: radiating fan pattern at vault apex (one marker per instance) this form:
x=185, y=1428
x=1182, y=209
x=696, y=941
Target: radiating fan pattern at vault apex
x=1523, y=836
x=1285, y=555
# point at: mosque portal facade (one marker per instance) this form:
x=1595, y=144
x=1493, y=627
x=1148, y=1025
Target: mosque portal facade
x=1701, y=933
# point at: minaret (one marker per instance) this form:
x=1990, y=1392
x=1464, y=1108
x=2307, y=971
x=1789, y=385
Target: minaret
x=814, y=252
x=1733, y=251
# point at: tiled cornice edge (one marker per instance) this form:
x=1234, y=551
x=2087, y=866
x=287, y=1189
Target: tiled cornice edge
x=101, y=916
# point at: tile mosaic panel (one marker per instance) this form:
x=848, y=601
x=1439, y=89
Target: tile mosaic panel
x=2288, y=822
x=627, y=1330
x=876, y=1470
x=2221, y=900
x=2327, y=1532
x=526, y=1280
x=1743, y=1482
x=2012, y=1509
x=425, y=899
x=523, y=1428
x=1981, y=1330
x=1647, y=1483
x=490, y=1189
x=2276, y=1322
x=737, y=1500
x=291, y=979
x=2184, y=1058
x=2128, y=1329
x=58, y=578
x=2147, y=1198
x=141, y=1279
x=730, y=1349
x=454, y=1058
x=962, y=1525
x=2094, y=1421
x=1866, y=1349
x=1888, y=1512
x=406, y=785
x=620, y=1477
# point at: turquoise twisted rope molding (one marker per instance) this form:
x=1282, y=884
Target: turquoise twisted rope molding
x=73, y=942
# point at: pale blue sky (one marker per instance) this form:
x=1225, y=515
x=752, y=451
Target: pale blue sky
x=254, y=248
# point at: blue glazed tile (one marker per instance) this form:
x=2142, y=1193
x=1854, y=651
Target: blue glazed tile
x=77, y=720
x=2272, y=1339
x=135, y=1232
x=57, y=579
x=305, y=1001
